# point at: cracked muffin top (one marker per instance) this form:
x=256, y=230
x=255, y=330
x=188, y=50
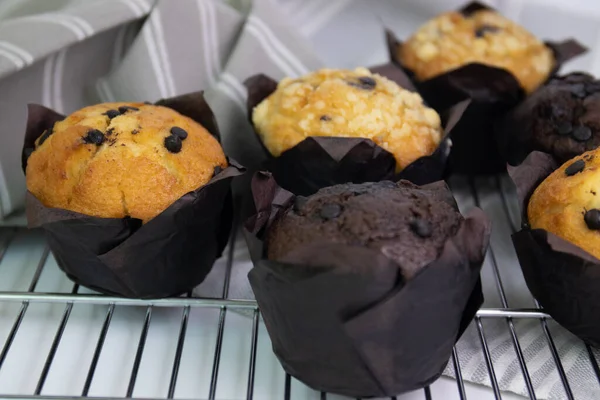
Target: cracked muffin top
x=117, y=160
x=453, y=39
x=344, y=103
x=407, y=223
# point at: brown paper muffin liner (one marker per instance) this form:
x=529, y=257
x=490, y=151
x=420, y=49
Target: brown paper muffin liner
x=321, y=161
x=564, y=278
x=169, y=255
x=346, y=321
x=493, y=93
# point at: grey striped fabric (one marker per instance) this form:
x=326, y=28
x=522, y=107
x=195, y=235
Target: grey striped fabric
x=69, y=53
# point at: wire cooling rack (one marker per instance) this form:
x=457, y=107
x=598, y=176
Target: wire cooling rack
x=58, y=340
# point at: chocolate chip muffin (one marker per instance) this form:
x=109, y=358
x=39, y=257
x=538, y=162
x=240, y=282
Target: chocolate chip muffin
x=565, y=117
x=407, y=223
x=567, y=203
x=455, y=39
x=117, y=160
x=342, y=103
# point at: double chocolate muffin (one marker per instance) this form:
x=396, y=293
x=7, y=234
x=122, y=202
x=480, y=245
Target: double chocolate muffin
x=565, y=116
x=454, y=39
x=407, y=223
x=340, y=275
x=117, y=160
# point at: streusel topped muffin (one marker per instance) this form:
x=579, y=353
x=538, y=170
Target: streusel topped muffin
x=343, y=103
x=453, y=39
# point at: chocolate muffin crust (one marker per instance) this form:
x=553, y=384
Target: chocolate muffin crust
x=566, y=112
x=408, y=223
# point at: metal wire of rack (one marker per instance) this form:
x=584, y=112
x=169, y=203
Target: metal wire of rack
x=224, y=306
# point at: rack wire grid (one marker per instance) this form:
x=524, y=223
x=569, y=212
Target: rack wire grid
x=59, y=340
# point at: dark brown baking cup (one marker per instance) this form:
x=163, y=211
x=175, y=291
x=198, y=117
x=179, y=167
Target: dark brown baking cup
x=514, y=131
x=346, y=322
x=169, y=255
x=322, y=161
x=563, y=278
x=493, y=93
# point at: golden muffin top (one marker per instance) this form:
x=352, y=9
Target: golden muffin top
x=343, y=103
x=116, y=160
x=452, y=40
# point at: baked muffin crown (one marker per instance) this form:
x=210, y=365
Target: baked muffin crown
x=567, y=203
x=566, y=116
x=344, y=103
x=116, y=160
x=453, y=39
x=406, y=223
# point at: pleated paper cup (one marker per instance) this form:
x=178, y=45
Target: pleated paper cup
x=343, y=319
x=564, y=278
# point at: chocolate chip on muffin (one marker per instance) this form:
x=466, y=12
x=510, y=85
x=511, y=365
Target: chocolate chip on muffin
x=343, y=103
x=173, y=143
x=575, y=168
x=592, y=219
x=121, y=167
x=582, y=133
x=179, y=132
x=407, y=223
x=124, y=109
x=484, y=29
x=565, y=116
x=112, y=114
x=564, y=128
x=94, y=136
x=453, y=39
x=363, y=82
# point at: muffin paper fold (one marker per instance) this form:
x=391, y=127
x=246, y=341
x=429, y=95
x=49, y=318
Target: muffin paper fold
x=493, y=93
x=561, y=276
x=346, y=321
x=320, y=161
x=169, y=255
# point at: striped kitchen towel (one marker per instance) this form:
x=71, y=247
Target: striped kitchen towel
x=66, y=54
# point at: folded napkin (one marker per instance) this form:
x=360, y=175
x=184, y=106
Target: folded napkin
x=90, y=51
